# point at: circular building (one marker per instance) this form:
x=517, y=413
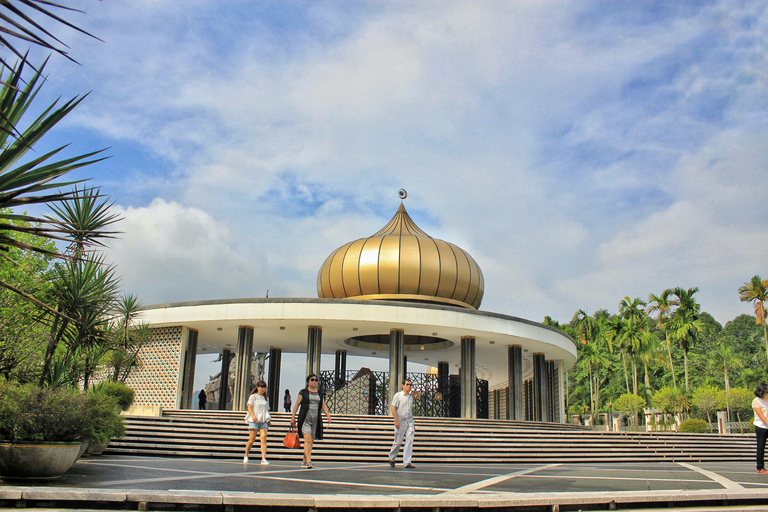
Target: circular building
x=398, y=294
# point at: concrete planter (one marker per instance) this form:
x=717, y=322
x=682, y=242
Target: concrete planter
x=21, y=461
x=96, y=449
x=83, y=447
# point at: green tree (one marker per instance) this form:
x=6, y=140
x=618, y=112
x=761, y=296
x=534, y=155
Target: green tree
x=670, y=401
x=662, y=305
x=20, y=326
x=85, y=291
x=129, y=336
x=756, y=292
x=685, y=324
x=723, y=359
x=651, y=353
x=36, y=180
x=705, y=400
x=629, y=403
x=738, y=400
x=632, y=335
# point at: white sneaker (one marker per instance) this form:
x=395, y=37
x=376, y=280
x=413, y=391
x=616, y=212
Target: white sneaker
x=245, y=460
x=264, y=462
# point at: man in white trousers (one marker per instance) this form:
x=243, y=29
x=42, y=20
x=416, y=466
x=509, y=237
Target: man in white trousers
x=402, y=412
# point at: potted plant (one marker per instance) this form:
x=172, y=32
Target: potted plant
x=42, y=430
x=106, y=429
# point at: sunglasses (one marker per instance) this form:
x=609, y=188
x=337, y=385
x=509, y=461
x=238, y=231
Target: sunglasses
x=312, y=380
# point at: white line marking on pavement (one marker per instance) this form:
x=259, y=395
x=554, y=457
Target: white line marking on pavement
x=728, y=484
x=264, y=474
x=495, y=480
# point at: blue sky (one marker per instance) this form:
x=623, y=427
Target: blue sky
x=581, y=151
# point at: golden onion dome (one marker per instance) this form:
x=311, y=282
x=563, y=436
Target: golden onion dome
x=402, y=262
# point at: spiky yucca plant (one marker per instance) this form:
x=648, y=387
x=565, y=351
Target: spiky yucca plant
x=36, y=180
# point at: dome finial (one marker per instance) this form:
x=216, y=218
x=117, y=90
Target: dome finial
x=402, y=193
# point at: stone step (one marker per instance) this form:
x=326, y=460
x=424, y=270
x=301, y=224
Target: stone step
x=222, y=434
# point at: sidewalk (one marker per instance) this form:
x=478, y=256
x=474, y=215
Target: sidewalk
x=140, y=482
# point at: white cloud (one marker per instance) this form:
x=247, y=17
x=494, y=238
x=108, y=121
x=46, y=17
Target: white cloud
x=713, y=236
x=579, y=152
x=168, y=252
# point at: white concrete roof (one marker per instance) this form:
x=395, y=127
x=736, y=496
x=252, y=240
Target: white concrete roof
x=283, y=323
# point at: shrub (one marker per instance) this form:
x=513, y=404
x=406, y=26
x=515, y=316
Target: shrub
x=31, y=414
x=122, y=393
x=693, y=425
x=103, y=418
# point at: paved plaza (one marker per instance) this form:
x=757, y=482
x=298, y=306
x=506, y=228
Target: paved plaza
x=367, y=485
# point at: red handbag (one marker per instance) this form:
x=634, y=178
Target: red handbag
x=292, y=439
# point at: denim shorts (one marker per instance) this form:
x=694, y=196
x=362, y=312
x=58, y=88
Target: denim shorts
x=254, y=425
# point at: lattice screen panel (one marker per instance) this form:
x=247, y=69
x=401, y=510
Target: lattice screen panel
x=156, y=381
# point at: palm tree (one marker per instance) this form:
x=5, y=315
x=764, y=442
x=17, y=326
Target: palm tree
x=17, y=24
x=129, y=337
x=651, y=353
x=632, y=334
x=662, y=305
x=723, y=359
x=756, y=291
x=85, y=291
x=611, y=335
x=588, y=330
x=685, y=324
x=37, y=181
x=83, y=218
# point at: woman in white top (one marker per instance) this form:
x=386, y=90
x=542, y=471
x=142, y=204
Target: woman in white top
x=258, y=419
x=760, y=405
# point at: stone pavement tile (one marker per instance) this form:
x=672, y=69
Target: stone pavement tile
x=195, y=497
x=337, y=501
x=11, y=493
x=70, y=494
x=267, y=499
x=439, y=500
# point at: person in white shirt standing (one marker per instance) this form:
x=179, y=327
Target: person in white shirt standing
x=258, y=419
x=760, y=406
x=402, y=412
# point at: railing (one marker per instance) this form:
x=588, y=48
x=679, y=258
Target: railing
x=366, y=392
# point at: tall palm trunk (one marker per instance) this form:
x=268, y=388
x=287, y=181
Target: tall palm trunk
x=671, y=364
x=727, y=389
x=53, y=341
x=634, y=376
x=685, y=360
x=626, y=374
x=765, y=337
x=647, y=385
x=597, y=389
x=591, y=391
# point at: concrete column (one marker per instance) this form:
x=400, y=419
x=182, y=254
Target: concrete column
x=273, y=378
x=226, y=359
x=515, y=406
x=340, y=369
x=551, y=390
x=189, y=359
x=540, y=409
x=560, y=389
x=443, y=386
x=468, y=378
x=243, y=369
x=314, y=350
x=396, y=370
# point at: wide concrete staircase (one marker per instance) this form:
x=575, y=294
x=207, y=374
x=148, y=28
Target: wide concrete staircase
x=222, y=434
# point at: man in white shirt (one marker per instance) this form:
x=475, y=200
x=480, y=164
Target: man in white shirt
x=402, y=412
